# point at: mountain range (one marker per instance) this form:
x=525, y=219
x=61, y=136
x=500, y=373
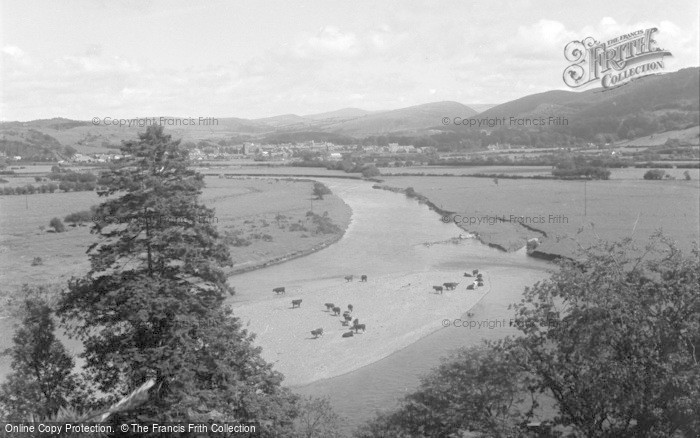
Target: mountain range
x=657, y=103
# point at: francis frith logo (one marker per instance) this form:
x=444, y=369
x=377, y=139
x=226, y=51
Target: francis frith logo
x=614, y=62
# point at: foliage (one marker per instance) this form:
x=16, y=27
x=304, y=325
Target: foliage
x=151, y=306
x=478, y=389
x=654, y=174
x=37, y=261
x=317, y=419
x=614, y=338
x=41, y=381
x=57, y=225
x=370, y=171
x=79, y=217
x=320, y=190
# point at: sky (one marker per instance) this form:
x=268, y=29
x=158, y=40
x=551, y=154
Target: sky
x=81, y=59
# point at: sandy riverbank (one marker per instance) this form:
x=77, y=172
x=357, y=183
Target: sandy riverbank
x=397, y=310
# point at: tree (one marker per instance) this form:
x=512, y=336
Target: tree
x=57, y=225
x=320, y=190
x=370, y=171
x=479, y=389
x=79, y=217
x=614, y=339
x=317, y=419
x=151, y=306
x=70, y=151
x=41, y=381
x=654, y=174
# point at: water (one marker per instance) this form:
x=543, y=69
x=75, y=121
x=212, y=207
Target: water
x=387, y=235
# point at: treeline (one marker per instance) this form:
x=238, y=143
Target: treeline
x=68, y=181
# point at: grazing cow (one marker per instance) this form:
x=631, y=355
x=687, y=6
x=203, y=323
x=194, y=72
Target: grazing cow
x=346, y=313
x=329, y=306
x=296, y=303
x=363, y=278
x=437, y=289
x=475, y=271
x=467, y=274
x=348, y=334
x=348, y=318
x=470, y=287
x=480, y=276
x=356, y=321
x=481, y=283
x=336, y=311
x=348, y=278
x=278, y=290
x=316, y=333
x=350, y=307
x=359, y=327
x=450, y=286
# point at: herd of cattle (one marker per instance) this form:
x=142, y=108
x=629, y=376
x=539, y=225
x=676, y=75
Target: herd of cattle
x=347, y=315
x=478, y=282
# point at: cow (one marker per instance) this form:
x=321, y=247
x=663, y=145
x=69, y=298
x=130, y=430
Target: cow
x=348, y=334
x=467, y=274
x=316, y=333
x=346, y=313
x=348, y=278
x=359, y=327
x=336, y=311
x=350, y=307
x=278, y=290
x=450, y=286
x=347, y=320
x=481, y=283
x=479, y=276
x=437, y=289
x=363, y=278
x=296, y=303
x=470, y=287
x=329, y=306
x=475, y=271
x=356, y=321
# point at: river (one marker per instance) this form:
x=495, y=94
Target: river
x=388, y=234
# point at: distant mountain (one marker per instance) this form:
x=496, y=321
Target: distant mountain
x=409, y=121
x=649, y=104
x=481, y=107
x=345, y=113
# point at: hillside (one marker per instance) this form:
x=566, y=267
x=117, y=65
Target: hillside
x=642, y=107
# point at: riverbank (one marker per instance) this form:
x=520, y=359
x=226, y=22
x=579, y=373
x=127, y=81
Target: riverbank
x=397, y=311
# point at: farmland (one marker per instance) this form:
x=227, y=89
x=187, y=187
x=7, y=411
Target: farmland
x=560, y=209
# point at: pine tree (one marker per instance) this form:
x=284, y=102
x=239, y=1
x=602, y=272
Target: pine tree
x=151, y=305
x=41, y=381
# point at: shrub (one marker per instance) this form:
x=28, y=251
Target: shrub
x=654, y=174
x=37, y=261
x=78, y=218
x=57, y=225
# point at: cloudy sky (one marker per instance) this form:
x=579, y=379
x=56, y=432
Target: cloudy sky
x=258, y=58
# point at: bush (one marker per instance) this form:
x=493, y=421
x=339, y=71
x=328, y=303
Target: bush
x=370, y=171
x=686, y=176
x=654, y=174
x=57, y=225
x=410, y=192
x=320, y=190
x=37, y=261
x=78, y=218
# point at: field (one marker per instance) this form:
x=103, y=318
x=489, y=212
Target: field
x=244, y=206
x=607, y=209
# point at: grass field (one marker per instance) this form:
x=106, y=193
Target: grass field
x=606, y=209
x=243, y=205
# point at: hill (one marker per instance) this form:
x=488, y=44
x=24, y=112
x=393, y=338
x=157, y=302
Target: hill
x=648, y=105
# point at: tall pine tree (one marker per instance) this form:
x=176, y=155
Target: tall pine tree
x=152, y=304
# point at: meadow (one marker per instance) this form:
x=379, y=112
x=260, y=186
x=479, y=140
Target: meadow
x=245, y=207
x=568, y=212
